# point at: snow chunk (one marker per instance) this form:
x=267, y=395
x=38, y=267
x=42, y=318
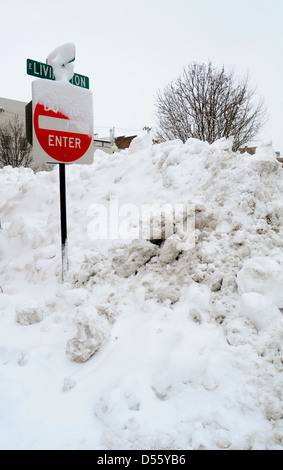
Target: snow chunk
x=223, y=144
x=140, y=143
x=170, y=250
x=92, y=332
x=264, y=160
x=259, y=310
x=239, y=331
x=196, y=146
x=197, y=298
x=127, y=260
x=265, y=150
x=168, y=294
x=263, y=275
x=198, y=294
x=61, y=60
x=28, y=312
x=157, y=226
x=28, y=316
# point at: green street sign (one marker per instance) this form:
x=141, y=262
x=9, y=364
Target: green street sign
x=41, y=70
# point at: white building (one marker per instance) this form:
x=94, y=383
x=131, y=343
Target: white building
x=11, y=108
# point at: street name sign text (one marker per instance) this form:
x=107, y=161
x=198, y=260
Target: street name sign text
x=41, y=70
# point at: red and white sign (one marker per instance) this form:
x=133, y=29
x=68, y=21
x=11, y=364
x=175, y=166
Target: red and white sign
x=61, y=138
x=62, y=133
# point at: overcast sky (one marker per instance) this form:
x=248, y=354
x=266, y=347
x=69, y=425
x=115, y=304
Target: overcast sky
x=129, y=49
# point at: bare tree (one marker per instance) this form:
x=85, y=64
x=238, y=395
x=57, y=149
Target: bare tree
x=14, y=148
x=208, y=104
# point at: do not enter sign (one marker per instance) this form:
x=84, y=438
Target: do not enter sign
x=62, y=139
x=62, y=123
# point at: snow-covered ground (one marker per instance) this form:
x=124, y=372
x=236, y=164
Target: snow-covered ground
x=146, y=345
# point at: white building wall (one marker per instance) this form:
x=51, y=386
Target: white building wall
x=11, y=108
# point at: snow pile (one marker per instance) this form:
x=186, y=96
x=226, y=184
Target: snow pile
x=92, y=331
x=259, y=310
x=151, y=343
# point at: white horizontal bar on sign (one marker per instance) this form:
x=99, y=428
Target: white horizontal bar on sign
x=65, y=125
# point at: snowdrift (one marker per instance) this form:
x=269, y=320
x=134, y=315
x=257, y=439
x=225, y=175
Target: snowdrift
x=147, y=345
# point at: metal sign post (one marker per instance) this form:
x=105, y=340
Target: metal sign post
x=63, y=214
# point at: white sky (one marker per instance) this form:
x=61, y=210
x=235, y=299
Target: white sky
x=131, y=48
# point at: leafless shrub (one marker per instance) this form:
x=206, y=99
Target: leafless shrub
x=14, y=148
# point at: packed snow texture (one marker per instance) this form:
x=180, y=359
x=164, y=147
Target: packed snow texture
x=63, y=97
x=61, y=60
x=145, y=346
